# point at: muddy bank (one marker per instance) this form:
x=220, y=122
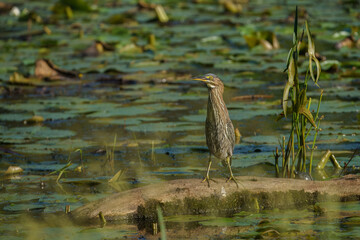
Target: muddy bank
x=190, y=196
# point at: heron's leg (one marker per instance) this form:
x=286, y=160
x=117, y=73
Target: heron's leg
x=207, y=177
x=228, y=161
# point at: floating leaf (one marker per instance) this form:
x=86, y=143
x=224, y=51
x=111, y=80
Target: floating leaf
x=330, y=65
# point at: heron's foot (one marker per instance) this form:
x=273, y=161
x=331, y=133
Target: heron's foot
x=208, y=179
x=232, y=178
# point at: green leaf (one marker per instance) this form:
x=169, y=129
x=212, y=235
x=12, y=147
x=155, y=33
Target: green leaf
x=289, y=83
x=295, y=26
x=318, y=70
x=286, y=97
x=117, y=176
x=288, y=58
x=311, y=51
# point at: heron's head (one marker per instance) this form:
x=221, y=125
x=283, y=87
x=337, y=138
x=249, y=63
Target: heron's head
x=211, y=80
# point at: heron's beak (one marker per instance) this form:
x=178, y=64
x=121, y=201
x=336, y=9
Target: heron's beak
x=200, y=79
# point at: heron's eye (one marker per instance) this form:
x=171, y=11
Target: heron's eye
x=210, y=77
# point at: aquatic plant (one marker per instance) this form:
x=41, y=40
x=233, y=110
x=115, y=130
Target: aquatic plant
x=161, y=222
x=296, y=104
x=109, y=163
x=62, y=170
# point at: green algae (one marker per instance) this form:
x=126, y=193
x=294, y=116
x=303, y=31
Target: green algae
x=236, y=204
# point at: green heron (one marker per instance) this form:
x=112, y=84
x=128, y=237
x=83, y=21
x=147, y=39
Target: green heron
x=219, y=130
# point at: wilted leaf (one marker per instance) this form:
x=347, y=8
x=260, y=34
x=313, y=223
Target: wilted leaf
x=266, y=44
x=161, y=14
x=348, y=42
x=34, y=119
x=13, y=170
x=269, y=233
x=17, y=78
x=232, y=7
x=266, y=39
x=130, y=48
x=306, y=112
x=78, y=169
x=275, y=42
x=44, y=68
x=237, y=133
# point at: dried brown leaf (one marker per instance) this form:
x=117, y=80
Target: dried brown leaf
x=13, y=170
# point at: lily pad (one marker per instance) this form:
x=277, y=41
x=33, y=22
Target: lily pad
x=164, y=127
x=24, y=134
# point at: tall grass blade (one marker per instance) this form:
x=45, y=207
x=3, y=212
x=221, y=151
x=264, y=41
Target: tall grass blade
x=161, y=223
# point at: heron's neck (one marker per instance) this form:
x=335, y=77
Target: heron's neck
x=217, y=110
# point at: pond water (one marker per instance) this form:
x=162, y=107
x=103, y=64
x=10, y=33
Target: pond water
x=136, y=109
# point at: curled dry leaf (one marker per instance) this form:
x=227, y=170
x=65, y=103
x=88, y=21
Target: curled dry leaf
x=78, y=169
x=13, y=170
x=266, y=39
x=306, y=112
x=17, y=78
x=44, y=68
x=275, y=41
x=232, y=7
x=161, y=14
x=34, y=119
x=266, y=44
x=348, y=42
x=237, y=133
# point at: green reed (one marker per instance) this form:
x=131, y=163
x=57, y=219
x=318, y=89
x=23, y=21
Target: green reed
x=296, y=105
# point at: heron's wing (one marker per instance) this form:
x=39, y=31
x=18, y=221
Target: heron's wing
x=230, y=133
